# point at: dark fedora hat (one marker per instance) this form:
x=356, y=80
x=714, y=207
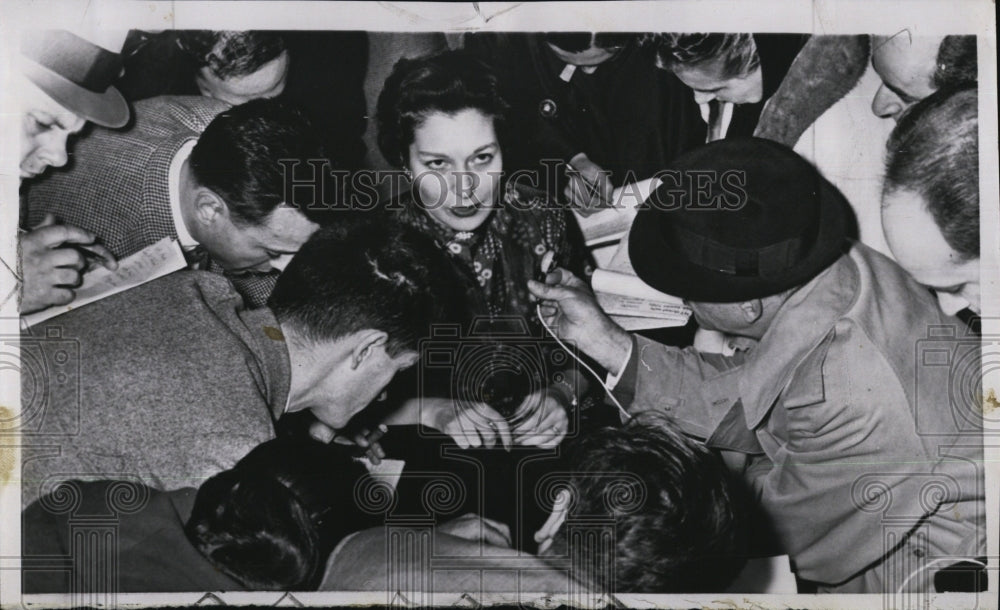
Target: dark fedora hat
x=738, y=219
x=77, y=74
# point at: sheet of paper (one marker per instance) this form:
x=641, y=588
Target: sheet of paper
x=157, y=260
x=613, y=282
x=620, y=261
x=766, y=575
x=609, y=225
x=633, y=323
x=387, y=470
x=622, y=305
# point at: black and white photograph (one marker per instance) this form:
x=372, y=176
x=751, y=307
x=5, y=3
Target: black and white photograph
x=653, y=304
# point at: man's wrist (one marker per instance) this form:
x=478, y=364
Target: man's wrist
x=616, y=345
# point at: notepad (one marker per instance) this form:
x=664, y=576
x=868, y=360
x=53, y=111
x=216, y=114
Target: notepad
x=612, y=223
x=623, y=294
x=157, y=260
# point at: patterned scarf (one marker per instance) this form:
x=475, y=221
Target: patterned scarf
x=499, y=255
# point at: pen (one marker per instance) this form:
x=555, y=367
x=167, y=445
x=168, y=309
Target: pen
x=89, y=255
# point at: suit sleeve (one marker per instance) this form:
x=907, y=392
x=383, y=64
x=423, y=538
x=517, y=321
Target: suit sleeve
x=696, y=390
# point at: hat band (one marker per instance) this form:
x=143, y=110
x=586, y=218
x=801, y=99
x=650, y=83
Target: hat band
x=766, y=262
x=75, y=59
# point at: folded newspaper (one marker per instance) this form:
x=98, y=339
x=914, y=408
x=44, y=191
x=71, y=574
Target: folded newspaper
x=157, y=260
x=630, y=302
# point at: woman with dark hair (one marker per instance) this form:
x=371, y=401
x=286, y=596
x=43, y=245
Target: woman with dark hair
x=442, y=120
x=268, y=523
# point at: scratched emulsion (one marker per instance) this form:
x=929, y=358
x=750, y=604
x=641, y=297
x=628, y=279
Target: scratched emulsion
x=990, y=402
x=6, y=453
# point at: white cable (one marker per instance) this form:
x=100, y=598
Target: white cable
x=621, y=410
x=932, y=562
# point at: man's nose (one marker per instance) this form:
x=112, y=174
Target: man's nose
x=54, y=152
x=465, y=184
x=887, y=104
x=951, y=303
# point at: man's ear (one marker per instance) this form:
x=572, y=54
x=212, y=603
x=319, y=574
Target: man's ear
x=369, y=342
x=406, y=359
x=209, y=207
x=560, y=508
x=752, y=310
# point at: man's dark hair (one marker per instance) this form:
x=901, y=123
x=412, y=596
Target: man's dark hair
x=271, y=521
x=736, y=54
x=678, y=518
x=448, y=82
x=957, y=65
x=576, y=42
x=238, y=155
x=934, y=152
x=231, y=53
x=378, y=275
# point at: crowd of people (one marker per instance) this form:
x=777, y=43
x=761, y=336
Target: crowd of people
x=321, y=329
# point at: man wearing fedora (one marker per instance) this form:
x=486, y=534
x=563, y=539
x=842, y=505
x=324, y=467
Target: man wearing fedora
x=864, y=453
x=66, y=81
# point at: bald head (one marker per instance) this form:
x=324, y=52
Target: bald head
x=913, y=67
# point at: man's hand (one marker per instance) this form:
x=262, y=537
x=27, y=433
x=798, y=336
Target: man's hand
x=542, y=419
x=589, y=189
x=51, y=267
x=367, y=440
x=469, y=425
x=475, y=528
x=569, y=308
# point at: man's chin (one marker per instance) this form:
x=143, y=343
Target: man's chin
x=246, y=271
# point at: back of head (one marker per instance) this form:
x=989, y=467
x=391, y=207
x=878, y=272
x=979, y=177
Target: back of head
x=375, y=276
x=934, y=152
x=237, y=157
x=679, y=523
x=733, y=55
x=447, y=82
x=271, y=521
x=957, y=64
x=231, y=53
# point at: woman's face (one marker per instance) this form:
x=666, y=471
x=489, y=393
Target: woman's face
x=456, y=164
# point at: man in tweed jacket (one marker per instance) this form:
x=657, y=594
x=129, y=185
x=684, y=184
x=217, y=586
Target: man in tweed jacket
x=193, y=169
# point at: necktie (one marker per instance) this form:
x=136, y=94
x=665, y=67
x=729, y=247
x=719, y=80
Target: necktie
x=714, y=121
x=197, y=258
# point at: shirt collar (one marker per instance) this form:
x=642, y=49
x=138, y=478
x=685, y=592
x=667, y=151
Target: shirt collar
x=174, y=184
x=799, y=326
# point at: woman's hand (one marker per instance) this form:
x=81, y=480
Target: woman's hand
x=468, y=424
x=542, y=419
x=475, y=528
